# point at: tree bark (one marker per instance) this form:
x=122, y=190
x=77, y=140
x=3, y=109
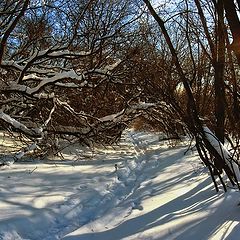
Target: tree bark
x=219, y=66
x=218, y=62
x=234, y=24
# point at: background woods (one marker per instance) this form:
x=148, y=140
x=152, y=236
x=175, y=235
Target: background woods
x=86, y=70
x=212, y=37
x=61, y=68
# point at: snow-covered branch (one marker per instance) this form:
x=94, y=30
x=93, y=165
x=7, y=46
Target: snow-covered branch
x=79, y=79
x=62, y=70
x=222, y=151
x=35, y=132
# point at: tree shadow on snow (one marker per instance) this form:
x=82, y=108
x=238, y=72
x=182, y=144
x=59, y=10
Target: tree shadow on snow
x=194, y=201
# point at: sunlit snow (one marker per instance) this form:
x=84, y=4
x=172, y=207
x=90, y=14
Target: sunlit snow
x=142, y=188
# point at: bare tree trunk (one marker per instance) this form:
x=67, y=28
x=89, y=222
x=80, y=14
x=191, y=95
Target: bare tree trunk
x=219, y=66
x=218, y=62
x=234, y=24
x=192, y=109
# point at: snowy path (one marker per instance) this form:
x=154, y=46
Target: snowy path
x=156, y=193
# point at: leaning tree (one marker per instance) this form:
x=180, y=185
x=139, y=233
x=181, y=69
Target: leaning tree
x=195, y=31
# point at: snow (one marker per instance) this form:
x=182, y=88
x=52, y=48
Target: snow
x=62, y=53
x=56, y=78
x=112, y=117
x=113, y=66
x=17, y=125
x=14, y=64
x=117, y=116
x=222, y=151
x=49, y=80
x=141, y=189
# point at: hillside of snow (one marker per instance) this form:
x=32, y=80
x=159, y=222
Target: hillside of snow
x=141, y=189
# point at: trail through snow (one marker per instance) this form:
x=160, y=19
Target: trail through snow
x=141, y=190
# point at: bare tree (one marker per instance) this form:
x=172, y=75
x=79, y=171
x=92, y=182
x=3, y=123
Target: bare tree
x=204, y=143
x=61, y=69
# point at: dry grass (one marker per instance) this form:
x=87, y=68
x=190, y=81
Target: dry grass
x=10, y=143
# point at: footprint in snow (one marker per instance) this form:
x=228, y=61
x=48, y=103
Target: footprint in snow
x=136, y=205
x=82, y=187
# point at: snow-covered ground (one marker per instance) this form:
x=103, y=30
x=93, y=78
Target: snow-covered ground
x=141, y=189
